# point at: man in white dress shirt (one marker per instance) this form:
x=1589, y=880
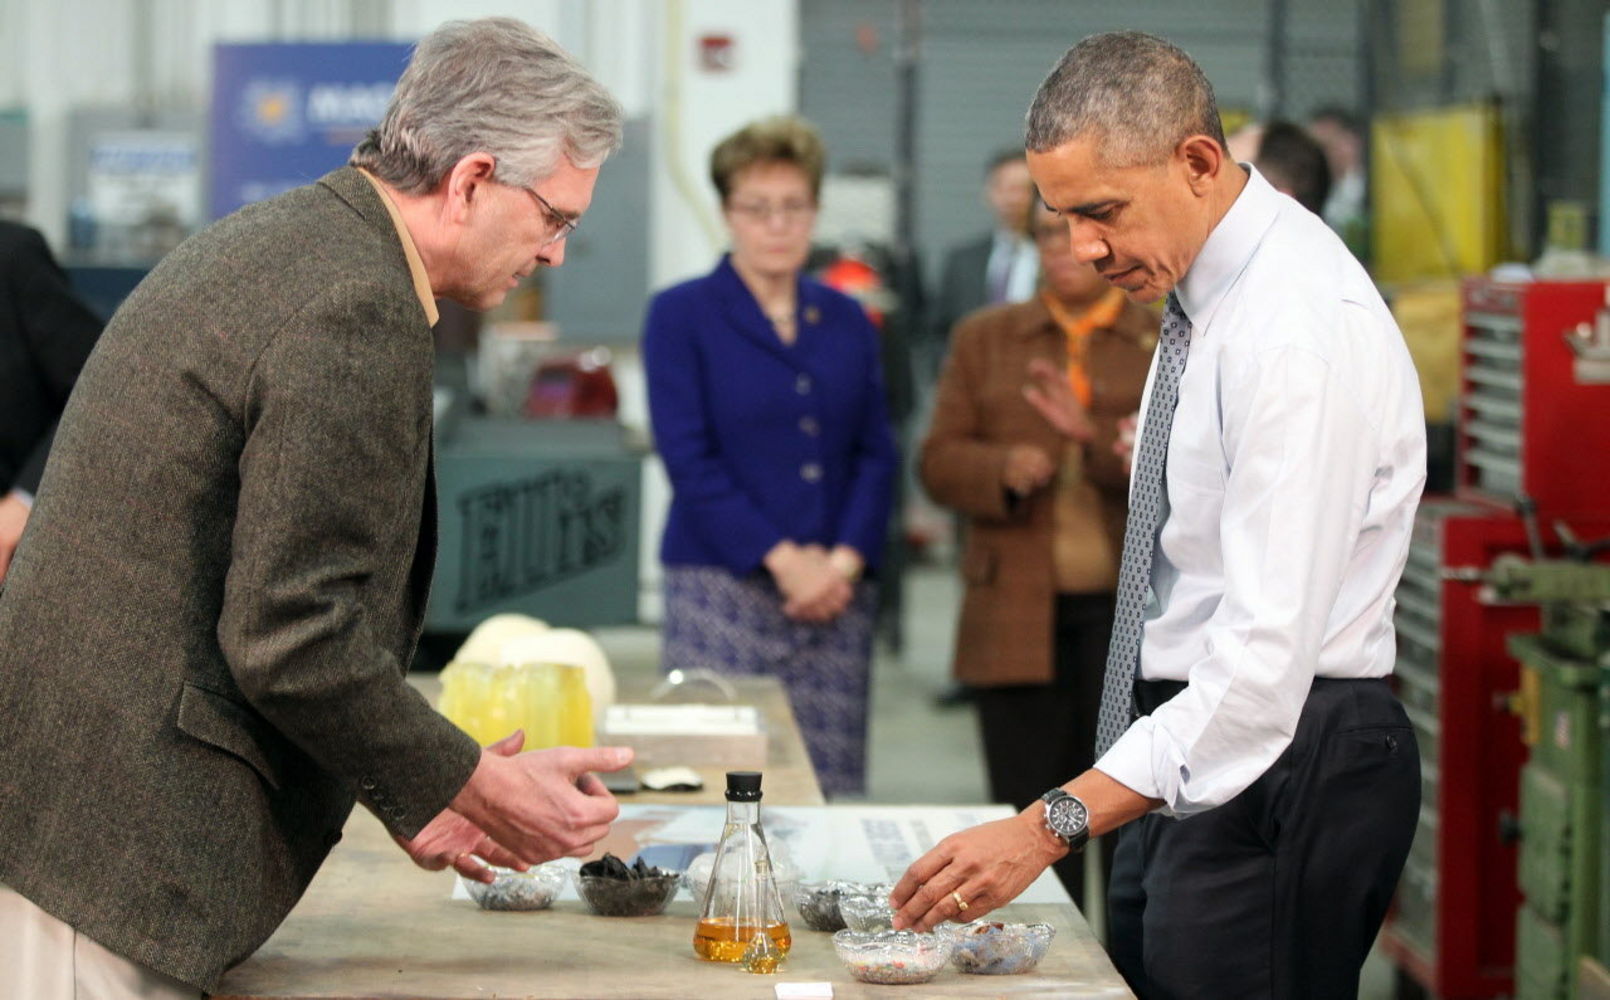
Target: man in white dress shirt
x=1268, y=776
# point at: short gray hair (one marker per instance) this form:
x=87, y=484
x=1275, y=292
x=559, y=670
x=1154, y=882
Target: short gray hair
x=1138, y=95
x=494, y=85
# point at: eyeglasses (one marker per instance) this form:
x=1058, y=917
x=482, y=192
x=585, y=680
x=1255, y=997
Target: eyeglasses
x=791, y=212
x=563, y=226
x=560, y=225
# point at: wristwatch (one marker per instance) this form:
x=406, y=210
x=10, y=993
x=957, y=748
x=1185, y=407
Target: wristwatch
x=1067, y=817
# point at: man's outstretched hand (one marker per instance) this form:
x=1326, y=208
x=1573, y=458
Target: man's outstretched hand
x=543, y=804
x=451, y=840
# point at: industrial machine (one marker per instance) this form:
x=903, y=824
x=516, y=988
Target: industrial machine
x=1562, y=874
x=539, y=517
x=1454, y=926
x=1530, y=479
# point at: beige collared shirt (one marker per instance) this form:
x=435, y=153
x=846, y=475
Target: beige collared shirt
x=416, y=266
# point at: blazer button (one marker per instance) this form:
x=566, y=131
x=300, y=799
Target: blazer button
x=367, y=784
x=810, y=472
x=810, y=426
x=802, y=384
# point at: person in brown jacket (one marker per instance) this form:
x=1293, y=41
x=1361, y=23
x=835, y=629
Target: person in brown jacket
x=1045, y=511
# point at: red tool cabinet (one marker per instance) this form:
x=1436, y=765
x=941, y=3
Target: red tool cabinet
x=1533, y=422
x=1534, y=419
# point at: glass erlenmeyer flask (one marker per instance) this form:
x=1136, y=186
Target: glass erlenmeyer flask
x=741, y=901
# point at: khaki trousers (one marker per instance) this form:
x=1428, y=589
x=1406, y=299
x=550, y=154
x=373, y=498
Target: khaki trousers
x=42, y=958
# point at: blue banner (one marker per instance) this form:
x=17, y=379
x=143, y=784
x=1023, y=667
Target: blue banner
x=286, y=114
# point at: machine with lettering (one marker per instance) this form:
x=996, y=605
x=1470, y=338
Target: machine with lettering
x=537, y=517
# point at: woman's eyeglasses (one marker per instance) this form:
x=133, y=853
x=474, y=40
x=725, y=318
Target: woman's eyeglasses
x=791, y=212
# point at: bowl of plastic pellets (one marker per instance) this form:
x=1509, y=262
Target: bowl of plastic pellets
x=818, y=905
x=867, y=913
x=509, y=889
x=892, y=958
x=613, y=888
x=992, y=948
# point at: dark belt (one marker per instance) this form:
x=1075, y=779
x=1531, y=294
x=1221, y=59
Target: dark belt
x=1149, y=695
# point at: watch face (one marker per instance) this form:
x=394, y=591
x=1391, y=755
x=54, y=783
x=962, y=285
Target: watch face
x=1067, y=816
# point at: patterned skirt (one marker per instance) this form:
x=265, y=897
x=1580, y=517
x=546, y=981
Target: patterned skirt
x=736, y=626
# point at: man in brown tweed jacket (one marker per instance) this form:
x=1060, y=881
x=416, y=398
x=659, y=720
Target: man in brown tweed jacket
x=204, y=633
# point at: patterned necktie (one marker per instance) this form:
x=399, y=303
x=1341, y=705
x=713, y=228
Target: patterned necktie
x=1148, y=507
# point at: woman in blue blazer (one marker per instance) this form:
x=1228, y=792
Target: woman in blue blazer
x=768, y=410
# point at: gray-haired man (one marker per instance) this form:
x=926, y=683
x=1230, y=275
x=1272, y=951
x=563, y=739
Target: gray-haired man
x=204, y=633
x=1246, y=722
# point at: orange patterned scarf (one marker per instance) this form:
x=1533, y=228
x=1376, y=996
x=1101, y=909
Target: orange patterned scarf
x=1077, y=328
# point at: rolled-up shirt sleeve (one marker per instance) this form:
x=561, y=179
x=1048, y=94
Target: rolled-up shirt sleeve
x=1301, y=456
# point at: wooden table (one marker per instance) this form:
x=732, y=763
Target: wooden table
x=372, y=926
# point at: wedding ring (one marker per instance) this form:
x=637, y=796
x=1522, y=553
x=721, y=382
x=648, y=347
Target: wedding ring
x=960, y=902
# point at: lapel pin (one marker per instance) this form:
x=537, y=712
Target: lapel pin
x=812, y=314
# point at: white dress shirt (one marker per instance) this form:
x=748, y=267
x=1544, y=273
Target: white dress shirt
x=1294, y=468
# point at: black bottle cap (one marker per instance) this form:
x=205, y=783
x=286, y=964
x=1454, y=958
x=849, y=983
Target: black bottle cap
x=743, y=786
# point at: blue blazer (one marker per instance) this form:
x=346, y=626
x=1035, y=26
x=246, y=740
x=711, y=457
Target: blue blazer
x=764, y=441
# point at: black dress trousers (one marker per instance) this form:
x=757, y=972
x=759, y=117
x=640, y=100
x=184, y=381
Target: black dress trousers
x=1279, y=892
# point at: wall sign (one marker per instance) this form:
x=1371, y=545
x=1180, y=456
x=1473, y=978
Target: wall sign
x=286, y=114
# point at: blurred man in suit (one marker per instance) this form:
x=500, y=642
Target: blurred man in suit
x=45, y=335
x=227, y=565
x=994, y=268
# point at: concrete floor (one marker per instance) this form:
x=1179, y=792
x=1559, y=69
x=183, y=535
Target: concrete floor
x=920, y=753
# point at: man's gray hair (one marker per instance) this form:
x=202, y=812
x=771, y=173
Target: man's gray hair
x=494, y=85
x=1136, y=94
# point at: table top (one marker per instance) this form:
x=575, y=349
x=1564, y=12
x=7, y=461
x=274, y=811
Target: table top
x=790, y=779
x=373, y=926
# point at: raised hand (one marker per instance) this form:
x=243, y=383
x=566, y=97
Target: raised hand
x=1048, y=392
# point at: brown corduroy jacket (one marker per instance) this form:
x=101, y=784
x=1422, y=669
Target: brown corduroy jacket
x=1004, y=634
x=204, y=635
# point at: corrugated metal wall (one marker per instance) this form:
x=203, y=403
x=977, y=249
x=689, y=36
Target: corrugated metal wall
x=980, y=63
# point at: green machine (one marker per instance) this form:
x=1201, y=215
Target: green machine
x=1565, y=847
x=539, y=517
x=1604, y=825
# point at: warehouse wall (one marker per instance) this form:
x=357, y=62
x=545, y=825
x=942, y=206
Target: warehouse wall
x=979, y=65
x=155, y=56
